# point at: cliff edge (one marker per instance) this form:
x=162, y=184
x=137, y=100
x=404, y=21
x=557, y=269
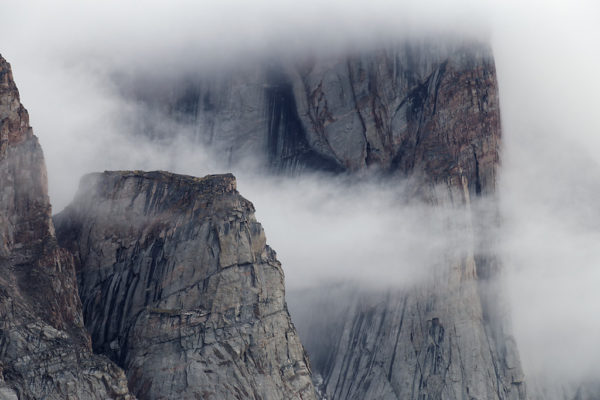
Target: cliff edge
x=45, y=351
x=180, y=288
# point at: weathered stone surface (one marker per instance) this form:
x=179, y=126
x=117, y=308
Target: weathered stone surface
x=416, y=108
x=45, y=351
x=447, y=338
x=421, y=111
x=180, y=289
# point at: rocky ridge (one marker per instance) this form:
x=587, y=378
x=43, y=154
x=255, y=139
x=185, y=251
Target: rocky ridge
x=45, y=351
x=180, y=289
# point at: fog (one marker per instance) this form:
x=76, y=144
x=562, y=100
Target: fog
x=64, y=54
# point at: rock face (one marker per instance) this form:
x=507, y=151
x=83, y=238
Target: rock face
x=45, y=351
x=425, y=112
x=180, y=289
x=447, y=337
x=562, y=388
x=417, y=108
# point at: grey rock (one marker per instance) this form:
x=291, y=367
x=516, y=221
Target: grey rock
x=419, y=108
x=420, y=111
x=562, y=388
x=45, y=351
x=180, y=289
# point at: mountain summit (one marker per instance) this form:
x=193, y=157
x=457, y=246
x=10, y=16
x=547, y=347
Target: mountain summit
x=180, y=288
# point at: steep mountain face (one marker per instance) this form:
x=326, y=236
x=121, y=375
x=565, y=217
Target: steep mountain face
x=180, y=289
x=418, y=111
x=45, y=351
x=178, y=285
x=417, y=108
x=447, y=337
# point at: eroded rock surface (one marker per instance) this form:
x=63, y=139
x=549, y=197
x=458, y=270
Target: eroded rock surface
x=424, y=111
x=562, y=388
x=180, y=289
x=421, y=107
x=449, y=336
x=45, y=352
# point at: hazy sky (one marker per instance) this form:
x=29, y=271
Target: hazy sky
x=547, y=55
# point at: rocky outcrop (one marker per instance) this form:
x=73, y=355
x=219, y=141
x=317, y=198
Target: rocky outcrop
x=421, y=111
x=45, y=351
x=180, y=289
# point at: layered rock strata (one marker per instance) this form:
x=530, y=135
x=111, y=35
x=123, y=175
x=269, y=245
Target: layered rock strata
x=180, y=289
x=45, y=352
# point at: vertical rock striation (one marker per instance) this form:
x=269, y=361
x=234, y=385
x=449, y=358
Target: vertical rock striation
x=421, y=111
x=45, y=351
x=447, y=337
x=562, y=388
x=180, y=289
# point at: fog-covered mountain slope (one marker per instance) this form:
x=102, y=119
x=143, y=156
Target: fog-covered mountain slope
x=419, y=107
x=45, y=352
x=419, y=112
x=425, y=197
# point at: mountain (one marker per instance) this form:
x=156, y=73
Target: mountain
x=45, y=351
x=447, y=337
x=423, y=112
x=421, y=107
x=180, y=289
x=177, y=283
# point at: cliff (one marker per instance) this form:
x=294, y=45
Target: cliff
x=447, y=337
x=45, y=351
x=178, y=286
x=180, y=289
x=426, y=108
x=422, y=112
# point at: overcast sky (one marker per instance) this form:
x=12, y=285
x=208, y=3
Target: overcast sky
x=547, y=55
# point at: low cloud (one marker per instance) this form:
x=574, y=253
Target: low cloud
x=65, y=54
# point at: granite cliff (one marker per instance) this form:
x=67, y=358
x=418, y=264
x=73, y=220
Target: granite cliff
x=448, y=337
x=180, y=289
x=423, y=112
x=45, y=351
x=177, y=284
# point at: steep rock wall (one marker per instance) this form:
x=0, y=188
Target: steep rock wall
x=45, y=351
x=424, y=111
x=180, y=289
x=415, y=108
x=448, y=337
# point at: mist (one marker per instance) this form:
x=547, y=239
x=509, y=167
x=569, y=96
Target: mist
x=65, y=54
